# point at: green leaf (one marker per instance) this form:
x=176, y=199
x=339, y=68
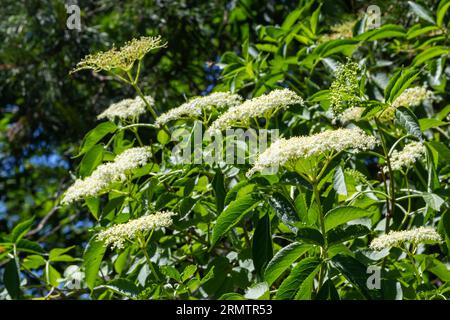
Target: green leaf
x=121, y=286
x=429, y=123
x=310, y=235
x=25, y=245
x=232, y=214
x=307, y=287
x=163, y=137
x=11, y=279
x=408, y=120
x=285, y=210
x=188, y=272
x=433, y=200
x=232, y=296
x=345, y=233
x=94, y=206
x=171, y=272
x=421, y=12
x=354, y=271
x=21, y=229
x=33, y=261
x=284, y=259
x=339, y=181
x=344, y=214
x=91, y=160
x=58, y=252
x=219, y=189
x=439, y=269
x=291, y=19
x=258, y=291
x=441, y=11
x=298, y=275
x=95, y=135
x=262, y=250
x=415, y=32
x=430, y=53
x=399, y=83
x=328, y=291
x=93, y=256
x=386, y=31
x=52, y=275
x=441, y=149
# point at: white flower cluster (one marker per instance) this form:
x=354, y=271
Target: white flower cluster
x=284, y=150
x=195, y=106
x=415, y=236
x=117, y=235
x=125, y=109
x=405, y=158
x=106, y=174
x=351, y=114
x=256, y=107
x=412, y=97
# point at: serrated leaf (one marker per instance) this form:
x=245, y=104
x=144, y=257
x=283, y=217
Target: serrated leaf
x=310, y=235
x=298, y=275
x=421, y=12
x=430, y=53
x=408, y=120
x=11, y=279
x=262, y=250
x=339, y=181
x=121, y=286
x=284, y=259
x=231, y=215
x=345, y=233
x=91, y=160
x=441, y=11
x=344, y=214
x=21, y=229
x=433, y=200
x=95, y=135
x=354, y=271
x=285, y=210
x=93, y=256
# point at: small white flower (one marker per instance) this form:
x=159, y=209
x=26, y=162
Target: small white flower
x=255, y=108
x=413, y=97
x=127, y=108
x=415, y=236
x=408, y=156
x=106, y=174
x=351, y=114
x=284, y=150
x=195, y=106
x=117, y=235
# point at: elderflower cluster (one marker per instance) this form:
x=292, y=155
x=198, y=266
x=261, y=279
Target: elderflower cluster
x=405, y=158
x=106, y=174
x=118, y=235
x=255, y=108
x=195, y=106
x=284, y=150
x=414, y=236
x=340, y=31
x=344, y=91
x=411, y=97
x=122, y=58
x=351, y=114
x=127, y=108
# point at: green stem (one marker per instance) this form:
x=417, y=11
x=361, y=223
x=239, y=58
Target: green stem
x=391, y=191
x=324, y=249
x=147, y=257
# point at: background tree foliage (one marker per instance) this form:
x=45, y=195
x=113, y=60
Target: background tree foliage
x=249, y=47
